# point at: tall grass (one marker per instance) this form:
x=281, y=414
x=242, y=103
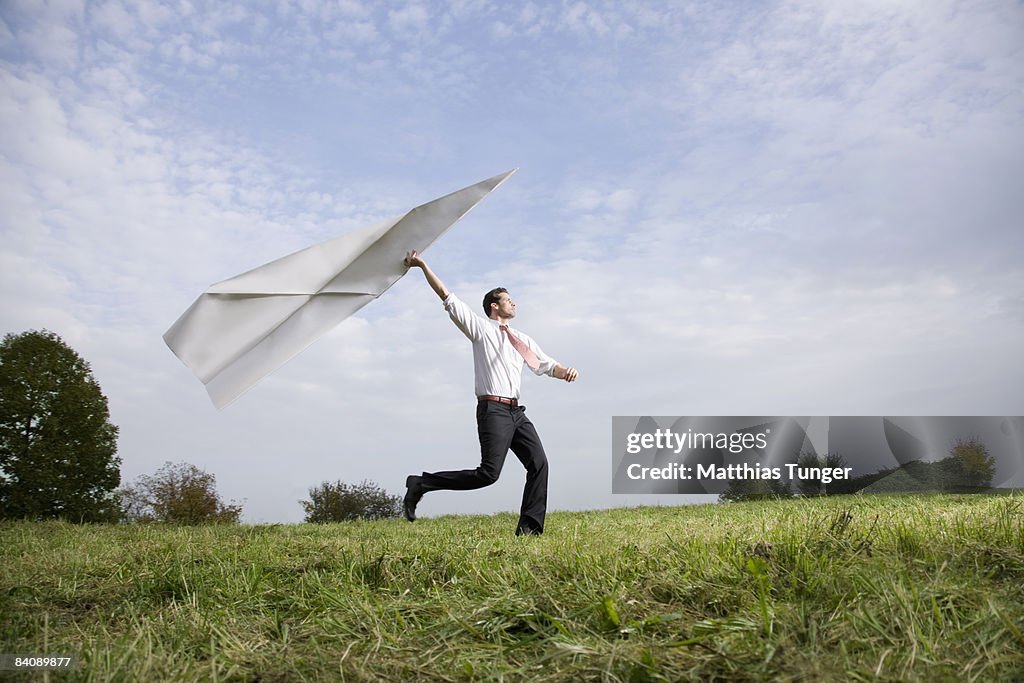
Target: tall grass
x=847, y=588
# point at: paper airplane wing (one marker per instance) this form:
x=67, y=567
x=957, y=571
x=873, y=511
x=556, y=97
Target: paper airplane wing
x=242, y=329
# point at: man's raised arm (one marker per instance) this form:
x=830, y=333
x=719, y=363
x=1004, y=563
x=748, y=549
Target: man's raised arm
x=414, y=260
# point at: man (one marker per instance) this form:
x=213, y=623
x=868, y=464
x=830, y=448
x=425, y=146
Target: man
x=499, y=353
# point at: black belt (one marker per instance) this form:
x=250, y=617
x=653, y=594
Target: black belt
x=514, y=402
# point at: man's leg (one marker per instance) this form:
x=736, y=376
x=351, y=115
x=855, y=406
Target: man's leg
x=496, y=427
x=528, y=448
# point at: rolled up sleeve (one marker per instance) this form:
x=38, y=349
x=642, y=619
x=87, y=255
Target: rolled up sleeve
x=464, y=318
x=547, y=363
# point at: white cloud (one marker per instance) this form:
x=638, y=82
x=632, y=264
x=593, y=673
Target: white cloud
x=412, y=17
x=502, y=31
x=114, y=17
x=353, y=8
x=580, y=17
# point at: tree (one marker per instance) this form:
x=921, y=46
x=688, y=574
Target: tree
x=974, y=462
x=339, y=502
x=57, y=445
x=179, y=493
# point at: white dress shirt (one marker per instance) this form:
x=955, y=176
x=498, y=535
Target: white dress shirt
x=497, y=366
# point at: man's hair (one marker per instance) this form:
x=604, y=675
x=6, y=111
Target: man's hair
x=491, y=297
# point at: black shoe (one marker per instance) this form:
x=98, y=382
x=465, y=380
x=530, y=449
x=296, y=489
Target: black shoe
x=413, y=493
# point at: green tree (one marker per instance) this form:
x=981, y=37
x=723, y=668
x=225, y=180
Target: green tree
x=58, y=448
x=179, y=493
x=339, y=502
x=973, y=461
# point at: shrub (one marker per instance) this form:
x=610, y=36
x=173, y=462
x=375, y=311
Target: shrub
x=339, y=502
x=179, y=494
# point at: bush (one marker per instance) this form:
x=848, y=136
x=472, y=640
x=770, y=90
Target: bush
x=179, y=494
x=814, y=486
x=340, y=502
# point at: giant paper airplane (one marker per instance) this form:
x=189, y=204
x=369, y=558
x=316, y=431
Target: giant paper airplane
x=242, y=329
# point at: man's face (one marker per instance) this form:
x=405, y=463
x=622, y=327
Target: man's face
x=506, y=308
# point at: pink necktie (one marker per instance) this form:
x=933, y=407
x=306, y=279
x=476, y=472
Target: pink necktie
x=528, y=355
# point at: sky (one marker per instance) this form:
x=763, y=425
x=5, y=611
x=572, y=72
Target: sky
x=743, y=208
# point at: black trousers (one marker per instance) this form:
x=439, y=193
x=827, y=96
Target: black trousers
x=502, y=427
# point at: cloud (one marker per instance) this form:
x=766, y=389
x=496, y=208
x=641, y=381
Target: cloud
x=410, y=18
x=580, y=17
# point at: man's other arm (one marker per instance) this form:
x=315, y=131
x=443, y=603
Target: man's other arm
x=549, y=366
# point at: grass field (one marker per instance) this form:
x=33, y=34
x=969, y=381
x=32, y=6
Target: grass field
x=925, y=587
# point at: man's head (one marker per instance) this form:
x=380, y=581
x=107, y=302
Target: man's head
x=498, y=304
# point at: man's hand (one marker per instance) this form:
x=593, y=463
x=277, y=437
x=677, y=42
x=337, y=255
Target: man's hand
x=413, y=260
x=568, y=374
